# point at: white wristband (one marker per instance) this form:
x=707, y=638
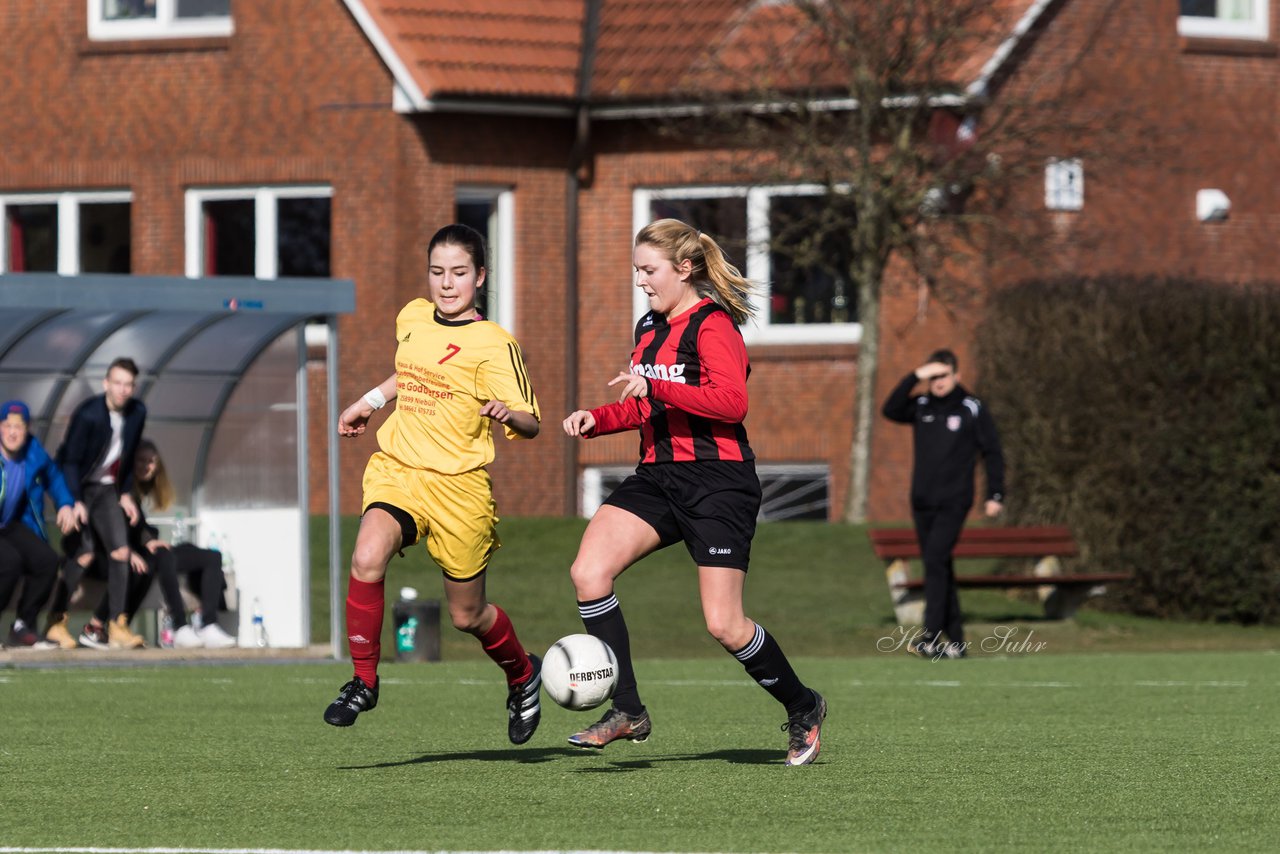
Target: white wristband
x=375, y=398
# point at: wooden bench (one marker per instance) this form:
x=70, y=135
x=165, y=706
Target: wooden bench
x=1060, y=593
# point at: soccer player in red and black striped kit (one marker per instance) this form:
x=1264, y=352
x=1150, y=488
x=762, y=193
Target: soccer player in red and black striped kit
x=686, y=392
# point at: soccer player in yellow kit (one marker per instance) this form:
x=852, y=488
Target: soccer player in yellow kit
x=456, y=375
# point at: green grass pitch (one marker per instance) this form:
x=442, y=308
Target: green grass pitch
x=1102, y=733
x=1114, y=752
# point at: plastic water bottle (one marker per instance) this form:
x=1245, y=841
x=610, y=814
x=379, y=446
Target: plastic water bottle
x=417, y=625
x=166, y=631
x=406, y=622
x=259, y=626
x=179, y=527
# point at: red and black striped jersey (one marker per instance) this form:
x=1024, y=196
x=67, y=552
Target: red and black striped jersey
x=696, y=365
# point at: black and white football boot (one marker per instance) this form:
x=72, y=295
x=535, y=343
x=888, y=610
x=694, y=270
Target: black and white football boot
x=354, y=698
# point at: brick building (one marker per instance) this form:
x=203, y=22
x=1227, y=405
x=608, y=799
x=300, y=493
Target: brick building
x=331, y=138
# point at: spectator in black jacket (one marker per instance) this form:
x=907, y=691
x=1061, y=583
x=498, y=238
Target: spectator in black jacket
x=97, y=460
x=951, y=427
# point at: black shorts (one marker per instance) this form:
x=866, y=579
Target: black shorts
x=711, y=505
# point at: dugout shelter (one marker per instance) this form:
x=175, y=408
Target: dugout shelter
x=223, y=373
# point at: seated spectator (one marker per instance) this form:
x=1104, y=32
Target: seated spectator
x=152, y=559
x=203, y=567
x=26, y=471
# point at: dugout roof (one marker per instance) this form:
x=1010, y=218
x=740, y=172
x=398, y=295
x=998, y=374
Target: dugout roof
x=222, y=371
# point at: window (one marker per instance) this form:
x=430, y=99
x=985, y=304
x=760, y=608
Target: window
x=66, y=233
x=788, y=492
x=794, y=239
x=491, y=211
x=1235, y=19
x=155, y=19
x=1064, y=184
x=32, y=230
x=264, y=232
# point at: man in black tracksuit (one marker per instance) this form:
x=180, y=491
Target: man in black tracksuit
x=951, y=428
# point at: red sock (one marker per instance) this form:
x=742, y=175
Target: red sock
x=365, y=606
x=502, y=645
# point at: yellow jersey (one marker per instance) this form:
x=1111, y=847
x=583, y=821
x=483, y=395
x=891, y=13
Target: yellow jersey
x=445, y=371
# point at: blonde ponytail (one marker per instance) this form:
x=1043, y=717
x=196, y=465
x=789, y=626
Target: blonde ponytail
x=712, y=275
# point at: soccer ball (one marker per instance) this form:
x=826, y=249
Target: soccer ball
x=579, y=672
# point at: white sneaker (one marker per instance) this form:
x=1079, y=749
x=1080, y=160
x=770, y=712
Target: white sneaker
x=187, y=638
x=215, y=638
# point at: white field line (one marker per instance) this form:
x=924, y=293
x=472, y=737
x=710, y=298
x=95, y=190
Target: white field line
x=744, y=682
x=1177, y=683
x=94, y=850
x=856, y=683
x=696, y=683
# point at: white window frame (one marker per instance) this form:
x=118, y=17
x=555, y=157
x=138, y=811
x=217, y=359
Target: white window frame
x=760, y=330
x=266, y=231
x=1064, y=184
x=501, y=248
x=165, y=25
x=1258, y=27
x=819, y=474
x=68, y=203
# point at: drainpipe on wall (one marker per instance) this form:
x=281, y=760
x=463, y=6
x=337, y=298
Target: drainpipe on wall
x=578, y=176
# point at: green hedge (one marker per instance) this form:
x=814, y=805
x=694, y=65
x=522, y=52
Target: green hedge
x=1145, y=414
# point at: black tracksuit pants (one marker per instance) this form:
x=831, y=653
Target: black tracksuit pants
x=23, y=554
x=937, y=530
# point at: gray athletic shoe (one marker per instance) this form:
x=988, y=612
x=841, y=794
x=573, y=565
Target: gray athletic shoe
x=804, y=733
x=614, y=725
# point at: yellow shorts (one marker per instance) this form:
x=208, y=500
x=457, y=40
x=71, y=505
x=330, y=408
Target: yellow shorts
x=455, y=513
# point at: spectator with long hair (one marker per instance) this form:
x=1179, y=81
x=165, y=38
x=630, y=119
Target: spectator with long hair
x=154, y=560
x=202, y=567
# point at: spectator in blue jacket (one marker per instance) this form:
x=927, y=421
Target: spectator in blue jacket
x=26, y=472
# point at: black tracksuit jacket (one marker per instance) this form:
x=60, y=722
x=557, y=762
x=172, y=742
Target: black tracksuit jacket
x=949, y=433
x=87, y=438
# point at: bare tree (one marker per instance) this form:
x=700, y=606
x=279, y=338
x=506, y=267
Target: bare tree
x=903, y=113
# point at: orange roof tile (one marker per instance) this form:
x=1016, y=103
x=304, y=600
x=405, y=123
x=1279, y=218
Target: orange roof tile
x=646, y=51
x=485, y=47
